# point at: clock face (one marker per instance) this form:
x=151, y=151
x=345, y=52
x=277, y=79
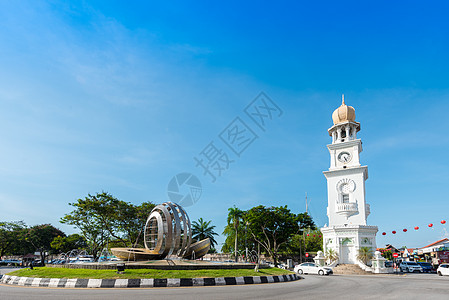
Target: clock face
x=344, y=157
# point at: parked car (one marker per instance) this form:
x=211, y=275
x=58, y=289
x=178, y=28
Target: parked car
x=312, y=268
x=410, y=266
x=426, y=267
x=443, y=269
x=388, y=264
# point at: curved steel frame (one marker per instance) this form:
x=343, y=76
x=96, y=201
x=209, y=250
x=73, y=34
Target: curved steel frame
x=174, y=234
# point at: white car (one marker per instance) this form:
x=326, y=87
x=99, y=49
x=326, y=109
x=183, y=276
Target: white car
x=312, y=268
x=443, y=269
x=410, y=266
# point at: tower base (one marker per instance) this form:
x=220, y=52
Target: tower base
x=346, y=240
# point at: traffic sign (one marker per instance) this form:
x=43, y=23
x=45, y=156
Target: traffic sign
x=395, y=255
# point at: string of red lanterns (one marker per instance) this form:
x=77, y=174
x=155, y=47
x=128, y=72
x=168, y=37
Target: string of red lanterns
x=313, y=235
x=416, y=227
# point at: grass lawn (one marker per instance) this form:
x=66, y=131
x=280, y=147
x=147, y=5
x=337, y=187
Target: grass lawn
x=45, y=272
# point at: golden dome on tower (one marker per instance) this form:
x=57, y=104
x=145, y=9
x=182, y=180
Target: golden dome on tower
x=344, y=113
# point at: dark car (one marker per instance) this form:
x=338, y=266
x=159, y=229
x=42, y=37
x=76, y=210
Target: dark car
x=426, y=267
x=388, y=264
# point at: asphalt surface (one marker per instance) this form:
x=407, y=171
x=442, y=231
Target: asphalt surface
x=409, y=286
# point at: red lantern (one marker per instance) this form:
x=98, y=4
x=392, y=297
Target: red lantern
x=405, y=230
x=384, y=233
x=313, y=235
x=416, y=228
x=443, y=222
x=308, y=234
x=393, y=232
x=319, y=236
x=430, y=225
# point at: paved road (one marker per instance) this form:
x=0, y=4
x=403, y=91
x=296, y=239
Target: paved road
x=410, y=286
x=5, y=270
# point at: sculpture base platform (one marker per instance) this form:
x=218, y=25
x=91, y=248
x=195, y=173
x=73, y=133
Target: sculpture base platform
x=194, y=251
x=162, y=264
x=135, y=254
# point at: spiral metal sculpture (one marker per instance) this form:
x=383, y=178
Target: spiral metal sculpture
x=168, y=230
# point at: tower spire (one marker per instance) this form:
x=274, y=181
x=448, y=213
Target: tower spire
x=342, y=99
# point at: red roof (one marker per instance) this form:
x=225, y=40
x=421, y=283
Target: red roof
x=435, y=243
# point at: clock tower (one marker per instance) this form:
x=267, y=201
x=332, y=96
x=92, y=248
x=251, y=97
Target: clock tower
x=347, y=209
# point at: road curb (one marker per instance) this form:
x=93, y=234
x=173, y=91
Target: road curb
x=143, y=283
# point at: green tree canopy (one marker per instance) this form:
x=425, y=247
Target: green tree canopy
x=331, y=255
x=235, y=216
x=365, y=254
x=306, y=222
x=102, y=217
x=66, y=244
x=202, y=230
x=10, y=233
x=230, y=233
x=272, y=227
x=308, y=241
x=41, y=236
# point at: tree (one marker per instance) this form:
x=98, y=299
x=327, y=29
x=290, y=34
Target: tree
x=89, y=223
x=230, y=233
x=272, y=227
x=234, y=217
x=387, y=254
x=306, y=222
x=66, y=244
x=135, y=223
x=365, y=254
x=202, y=230
x=41, y=236
x=331, y=255
x=9, y=236
x=312, y=241
x=102, y=217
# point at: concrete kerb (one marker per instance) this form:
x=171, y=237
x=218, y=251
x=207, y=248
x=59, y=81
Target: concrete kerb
x=143, y=283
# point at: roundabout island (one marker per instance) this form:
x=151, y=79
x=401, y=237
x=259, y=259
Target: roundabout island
x=147, y=275
x=169, y=259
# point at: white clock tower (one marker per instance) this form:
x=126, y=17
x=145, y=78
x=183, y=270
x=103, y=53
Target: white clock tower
x=347, y=208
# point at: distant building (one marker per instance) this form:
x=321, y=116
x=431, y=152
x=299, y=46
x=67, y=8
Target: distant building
x=347, y=209
x=437, y=252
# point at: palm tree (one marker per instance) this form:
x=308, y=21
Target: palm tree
x=234, y=217
x=202, y=230
x=365, y=254
x=331, y=255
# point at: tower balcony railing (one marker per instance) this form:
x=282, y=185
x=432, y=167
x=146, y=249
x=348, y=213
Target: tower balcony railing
x=347, y=209
x=367, y=209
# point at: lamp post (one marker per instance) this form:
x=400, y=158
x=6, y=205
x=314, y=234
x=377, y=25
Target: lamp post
x=246, y=241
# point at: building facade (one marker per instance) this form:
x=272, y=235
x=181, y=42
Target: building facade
x=347, y=209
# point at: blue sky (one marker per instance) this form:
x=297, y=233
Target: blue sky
x=107, y=96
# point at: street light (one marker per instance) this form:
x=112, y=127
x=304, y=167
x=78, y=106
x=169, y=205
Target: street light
x=246, y=241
